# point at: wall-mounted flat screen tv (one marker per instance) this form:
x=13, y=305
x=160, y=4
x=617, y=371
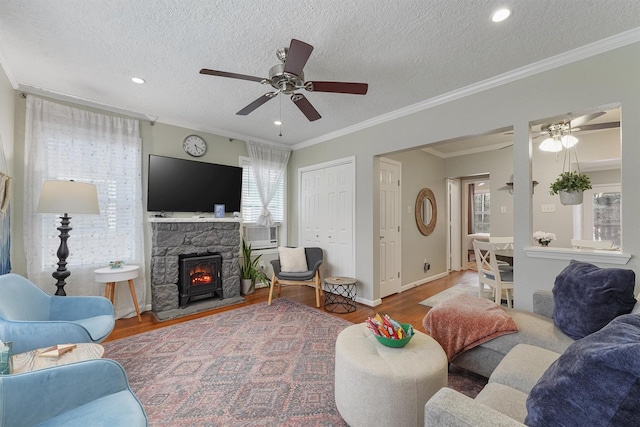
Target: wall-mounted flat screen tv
x=178, y=185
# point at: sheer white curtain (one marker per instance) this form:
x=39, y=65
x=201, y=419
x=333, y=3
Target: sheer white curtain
x=64, y=143
x=269, y=166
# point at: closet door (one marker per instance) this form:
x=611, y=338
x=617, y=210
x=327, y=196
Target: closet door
x=327, y=216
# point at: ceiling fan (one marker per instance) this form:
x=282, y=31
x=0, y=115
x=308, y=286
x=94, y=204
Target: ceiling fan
x=559, y=134
x=287, y=78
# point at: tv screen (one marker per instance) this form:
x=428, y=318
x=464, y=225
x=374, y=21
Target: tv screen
x=178, y=185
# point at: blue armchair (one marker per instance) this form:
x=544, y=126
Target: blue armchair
x=31, y=318
x=91, y=393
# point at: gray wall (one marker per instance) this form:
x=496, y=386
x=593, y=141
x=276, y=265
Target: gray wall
x=498, y=165
x=159, y=139
x=420, y=170
x=546, y=168
x=7, y=117
x=597, y=81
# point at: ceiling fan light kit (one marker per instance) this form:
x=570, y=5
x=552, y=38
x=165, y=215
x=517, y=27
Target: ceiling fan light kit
x=559, y=135
x=287, y=78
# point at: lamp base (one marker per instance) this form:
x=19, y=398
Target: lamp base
x=63, y=252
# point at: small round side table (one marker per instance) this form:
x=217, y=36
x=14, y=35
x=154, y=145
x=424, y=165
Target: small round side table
x=110, y=276
x=30, y=361
x=340, y=295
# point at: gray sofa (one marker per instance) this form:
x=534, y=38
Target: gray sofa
x=535, y=329
x=514, y=363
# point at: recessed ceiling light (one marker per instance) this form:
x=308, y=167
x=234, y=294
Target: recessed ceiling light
x=277, y=123
x=137, y=80
x=500, y=15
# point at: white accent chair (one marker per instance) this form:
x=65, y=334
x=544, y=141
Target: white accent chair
x=498, y=277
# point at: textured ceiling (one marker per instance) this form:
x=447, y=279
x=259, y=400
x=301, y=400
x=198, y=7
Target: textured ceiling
x=408, y=52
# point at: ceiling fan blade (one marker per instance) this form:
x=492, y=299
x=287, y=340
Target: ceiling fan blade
x=598, y=126
x=305, y=106
x=255, y=104
x=338, y=87
x=584, y=119
x=297, y=57
x=231, y=75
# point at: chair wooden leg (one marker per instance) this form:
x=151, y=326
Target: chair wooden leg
x=509, y=296
x=135, y=299
x=273, y=285
x=317, y=290
x=498, y=294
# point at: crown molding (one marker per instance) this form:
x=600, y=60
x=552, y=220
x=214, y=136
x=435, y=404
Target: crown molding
x=584, y=52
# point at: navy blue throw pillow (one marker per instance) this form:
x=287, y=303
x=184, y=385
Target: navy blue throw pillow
x=595, y=382
x=587, y=297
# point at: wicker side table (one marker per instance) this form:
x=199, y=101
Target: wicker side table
x=340, y=295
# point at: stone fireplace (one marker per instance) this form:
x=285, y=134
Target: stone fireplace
x=176, y=238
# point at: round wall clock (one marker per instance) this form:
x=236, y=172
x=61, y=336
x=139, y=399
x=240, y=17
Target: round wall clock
x=194, y=145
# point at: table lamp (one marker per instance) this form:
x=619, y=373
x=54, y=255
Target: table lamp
x=68, y=197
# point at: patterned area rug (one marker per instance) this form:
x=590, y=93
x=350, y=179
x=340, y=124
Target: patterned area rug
x=257, y=365
x=462, y=288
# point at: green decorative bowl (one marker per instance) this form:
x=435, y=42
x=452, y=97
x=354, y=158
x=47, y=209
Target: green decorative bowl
x=397, y=343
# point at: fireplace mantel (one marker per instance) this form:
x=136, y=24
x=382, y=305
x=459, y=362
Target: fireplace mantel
x=197, y=219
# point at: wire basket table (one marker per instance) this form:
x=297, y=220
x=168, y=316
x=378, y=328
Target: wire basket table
x=340, y=294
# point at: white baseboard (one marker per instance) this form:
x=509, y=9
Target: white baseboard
x=423, y=281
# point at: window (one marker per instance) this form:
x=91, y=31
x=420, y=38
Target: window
x=481, y=211
x=602, y=206
x=251, y=205
x=64, y=143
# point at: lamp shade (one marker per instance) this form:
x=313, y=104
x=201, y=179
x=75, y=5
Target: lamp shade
x=552, y=145
x=568, y=141
x=68, y=197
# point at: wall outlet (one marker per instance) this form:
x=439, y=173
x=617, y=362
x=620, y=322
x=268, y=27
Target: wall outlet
x=261, y=265
x=426, y=266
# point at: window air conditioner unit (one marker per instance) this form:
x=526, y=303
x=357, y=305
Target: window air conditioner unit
x=260, y=237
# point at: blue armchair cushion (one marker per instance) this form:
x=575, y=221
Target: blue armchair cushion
x=595, y=382
x=586, y=297
x=89, y=393
x=31, y=318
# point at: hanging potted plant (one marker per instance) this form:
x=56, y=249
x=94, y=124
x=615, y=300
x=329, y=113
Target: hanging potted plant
x=570, y=186
x=249, y=271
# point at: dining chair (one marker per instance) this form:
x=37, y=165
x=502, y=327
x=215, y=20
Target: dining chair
x=498, y=277
x=505, y=242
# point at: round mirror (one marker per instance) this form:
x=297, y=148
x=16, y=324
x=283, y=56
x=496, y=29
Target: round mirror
x=426, y=211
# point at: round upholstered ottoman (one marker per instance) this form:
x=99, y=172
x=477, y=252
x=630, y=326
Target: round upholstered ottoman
x=383, y=386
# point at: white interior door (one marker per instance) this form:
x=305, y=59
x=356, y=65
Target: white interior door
x=389, y=227
x=327, y=215
x=454, y=235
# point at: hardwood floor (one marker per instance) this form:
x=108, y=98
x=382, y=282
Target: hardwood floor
x=403, y=307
